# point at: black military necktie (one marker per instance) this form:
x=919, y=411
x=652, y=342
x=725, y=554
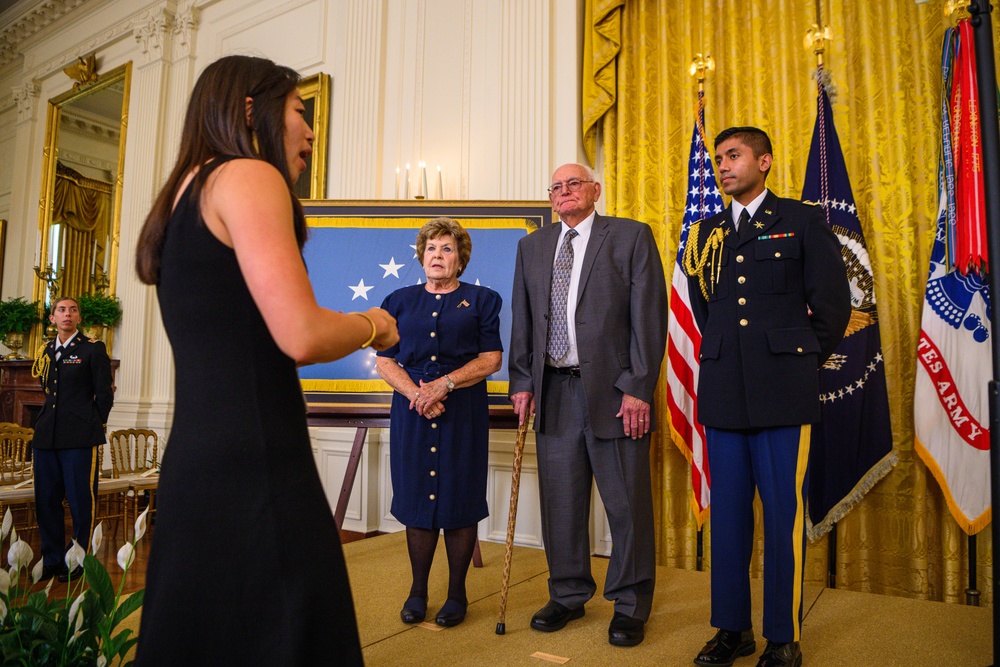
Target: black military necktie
x=744, y=226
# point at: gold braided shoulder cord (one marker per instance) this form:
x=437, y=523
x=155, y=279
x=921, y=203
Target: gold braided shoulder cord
x=40, y=369
x=695, y=262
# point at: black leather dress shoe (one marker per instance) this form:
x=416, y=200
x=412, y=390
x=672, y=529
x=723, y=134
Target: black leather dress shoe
x=781, y=655
x=49, y=571
x=625, y=630
x=414, y=610
x=451, y=614
x=554, y=616
x=75, y=575
x=725, y=647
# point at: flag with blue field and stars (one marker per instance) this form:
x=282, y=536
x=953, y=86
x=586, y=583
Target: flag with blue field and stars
x=851, y=447
x=354, y=263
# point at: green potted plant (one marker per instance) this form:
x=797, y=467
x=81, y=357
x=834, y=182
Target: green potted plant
x=98, y=311
x=17, y=316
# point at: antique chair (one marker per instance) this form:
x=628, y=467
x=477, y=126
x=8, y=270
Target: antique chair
x=134, y=457
x=17, y=491
x=111, y=493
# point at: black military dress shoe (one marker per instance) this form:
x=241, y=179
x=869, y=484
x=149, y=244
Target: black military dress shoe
x=49, y=571
x=75, y=575
x=554, y=616
x=625, y=630
x=727, y=645
x=781, y=655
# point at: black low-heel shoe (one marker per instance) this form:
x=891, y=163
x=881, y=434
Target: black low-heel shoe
x=414, y=610
x=451, y=614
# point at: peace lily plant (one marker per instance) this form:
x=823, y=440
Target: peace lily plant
x=78, y=630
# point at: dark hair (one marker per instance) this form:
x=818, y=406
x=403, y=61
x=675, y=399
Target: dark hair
x=215, y=126
x=439, y=227
x=754, y=137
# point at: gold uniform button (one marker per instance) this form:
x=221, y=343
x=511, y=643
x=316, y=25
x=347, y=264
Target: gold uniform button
x=434, y=357
x=739, y=258
x=742, y=301
x=741, y=279
x=434, y=425
x=438, y=297
x=433, y=473
x=434, y=314
x=433, y=335
x=432, y=497
x=777, y=254
x=744, y=322
x=798, y=349
x=433, y=449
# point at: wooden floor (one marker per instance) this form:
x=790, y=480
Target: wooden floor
x=135, y=578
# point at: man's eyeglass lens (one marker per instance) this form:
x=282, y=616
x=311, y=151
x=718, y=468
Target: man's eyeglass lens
x=570, y=186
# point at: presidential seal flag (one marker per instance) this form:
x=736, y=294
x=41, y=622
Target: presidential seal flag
x=954, y=364
x=851, y=448
x=683, y=336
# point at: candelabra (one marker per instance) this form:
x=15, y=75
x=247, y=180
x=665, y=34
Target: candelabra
x=52, y=279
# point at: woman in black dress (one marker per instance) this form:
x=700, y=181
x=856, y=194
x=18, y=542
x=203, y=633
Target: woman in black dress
x=246, y=566
x=439, y=435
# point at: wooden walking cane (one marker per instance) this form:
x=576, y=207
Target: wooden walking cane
x=515, y=485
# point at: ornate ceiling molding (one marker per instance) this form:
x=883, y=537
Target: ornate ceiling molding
x=34, y=19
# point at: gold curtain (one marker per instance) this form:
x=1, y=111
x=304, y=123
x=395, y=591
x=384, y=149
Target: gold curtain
x=884, y=61
x=82, y=206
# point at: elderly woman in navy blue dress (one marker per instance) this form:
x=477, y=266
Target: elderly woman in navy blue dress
x=449, y=344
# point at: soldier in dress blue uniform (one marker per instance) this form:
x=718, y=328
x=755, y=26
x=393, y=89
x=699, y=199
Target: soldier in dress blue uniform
x=78, y=399
x=769, y=291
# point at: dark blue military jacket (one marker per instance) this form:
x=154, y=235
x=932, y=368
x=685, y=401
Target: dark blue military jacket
x=78, y=396
x=777, y=305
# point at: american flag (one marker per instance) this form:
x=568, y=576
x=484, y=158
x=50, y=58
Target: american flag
x=683, y=335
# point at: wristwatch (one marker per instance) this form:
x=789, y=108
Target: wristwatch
x=451, y=383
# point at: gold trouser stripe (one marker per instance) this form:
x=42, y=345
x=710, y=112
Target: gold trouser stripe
x=800, y=508
x=93, y=498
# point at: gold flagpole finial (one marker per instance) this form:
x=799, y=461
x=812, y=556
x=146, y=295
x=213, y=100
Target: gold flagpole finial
x=700, y=66
x=956, y=9
x=816, y=38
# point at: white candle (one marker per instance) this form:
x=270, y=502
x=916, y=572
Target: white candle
x=406, y=183
x=424, y=192
x=396, y=184
x=440, y=184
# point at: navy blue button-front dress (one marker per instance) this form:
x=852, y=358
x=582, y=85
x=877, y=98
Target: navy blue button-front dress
x=439, y=465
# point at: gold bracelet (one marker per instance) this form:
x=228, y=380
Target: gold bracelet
x=371, y=339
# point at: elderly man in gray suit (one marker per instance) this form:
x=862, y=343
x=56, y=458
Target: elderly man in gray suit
x=589, y=330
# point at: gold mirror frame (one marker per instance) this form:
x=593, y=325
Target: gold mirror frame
x=120, y=75
x=315, y=91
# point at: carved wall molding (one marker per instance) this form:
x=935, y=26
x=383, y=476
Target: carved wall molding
x=25, y=97
x=32, y=21
x=73, y=157
x=90, y=125
x=263, y=17
x=153, y=36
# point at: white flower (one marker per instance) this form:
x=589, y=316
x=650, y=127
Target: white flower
x=74, y=610
x=4, y=582
x=36, y=572
x=13, y=535
x=20, y=555
x=74, y=557
x=140, y=525
x=3, y=612
x=97, y=539
x=102, y=661
x=125, y=555
x=8, y=523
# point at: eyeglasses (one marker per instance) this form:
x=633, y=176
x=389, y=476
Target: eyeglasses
x=572, y=185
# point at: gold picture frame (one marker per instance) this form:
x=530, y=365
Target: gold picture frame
x=3, y=246
x=315, y=91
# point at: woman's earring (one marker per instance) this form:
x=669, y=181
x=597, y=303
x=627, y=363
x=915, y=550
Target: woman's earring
x=253, y=138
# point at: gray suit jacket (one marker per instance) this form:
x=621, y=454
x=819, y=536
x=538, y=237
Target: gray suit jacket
x=621, y=318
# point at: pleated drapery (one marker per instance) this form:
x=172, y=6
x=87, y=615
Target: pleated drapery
x=638, y=109
x=82, y=206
